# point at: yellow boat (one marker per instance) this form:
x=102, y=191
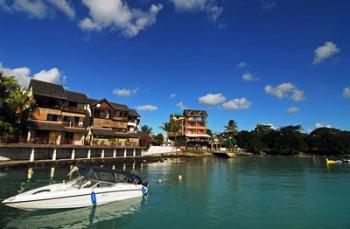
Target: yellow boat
x=332, y=162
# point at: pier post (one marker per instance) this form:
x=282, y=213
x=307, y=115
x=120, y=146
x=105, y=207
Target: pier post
x=103, y=153
x=124, y=152
x=54, y=155
x=114, y=153
x=32, y=155
x=89, y=154
x=134, y=153
x=73, y=154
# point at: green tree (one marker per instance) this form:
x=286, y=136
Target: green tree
x=158, y=140
x=263, y=128
x=146, y=129
x=8, y=84
x=20, y=102
x=232, y=127
x=228, y=137
x=329, y=141
x=171, y=128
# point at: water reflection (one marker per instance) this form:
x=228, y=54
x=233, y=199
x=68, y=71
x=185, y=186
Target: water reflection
x=76, y=218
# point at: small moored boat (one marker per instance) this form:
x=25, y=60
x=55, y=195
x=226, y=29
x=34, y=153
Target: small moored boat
x=332, y=162
x=93, y=186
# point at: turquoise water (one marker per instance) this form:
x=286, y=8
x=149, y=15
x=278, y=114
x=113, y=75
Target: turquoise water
x=269, y=192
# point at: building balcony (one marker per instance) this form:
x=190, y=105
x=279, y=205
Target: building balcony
x=71, y=124
x=108, y=123
x=74, y=109
x=195, y=127
x=119, y=118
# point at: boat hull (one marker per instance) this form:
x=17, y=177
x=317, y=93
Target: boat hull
x=75, y=199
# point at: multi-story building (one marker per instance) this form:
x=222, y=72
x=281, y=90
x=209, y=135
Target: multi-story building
x=193, y=127
x=66, y=117
x=113, y=123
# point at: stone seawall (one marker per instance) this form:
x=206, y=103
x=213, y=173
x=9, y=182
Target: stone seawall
x=47, y=152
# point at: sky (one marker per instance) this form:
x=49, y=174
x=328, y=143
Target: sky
x=255, y=61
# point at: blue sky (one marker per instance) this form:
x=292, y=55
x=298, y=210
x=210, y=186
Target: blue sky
x=255, y=61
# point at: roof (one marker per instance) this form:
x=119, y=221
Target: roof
x=177, y=114
x=76, y=97
x=47, y=89
x=116, y=106
x=120, y=107
x=52, y=90
x=187, y=111
x=133, y=112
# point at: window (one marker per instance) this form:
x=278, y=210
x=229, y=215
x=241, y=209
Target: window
x=51, y=117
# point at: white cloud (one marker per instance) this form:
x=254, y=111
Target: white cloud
x=248, y=77
x=23, y=75
x=53, y=76
x=288, y=90
x=346, y=92
x=268, y=4
x=321, y=125
x=173, y=95
x=117, y=15
x=37, y=8
x=241, y=65
x=64, y=6
x=147, y=108
x=181, y=106
x=210, y=7
x=292, y=110
x=123, y=92
x=237, y=104
x=324, y=52
x=212, y=99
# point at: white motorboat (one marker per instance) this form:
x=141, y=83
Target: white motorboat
x=93, y=186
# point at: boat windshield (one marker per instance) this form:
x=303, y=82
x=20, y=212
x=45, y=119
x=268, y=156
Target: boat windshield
x=98, y=175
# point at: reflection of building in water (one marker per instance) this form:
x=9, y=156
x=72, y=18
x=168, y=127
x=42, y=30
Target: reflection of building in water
x=77, y=218
x=30, y=174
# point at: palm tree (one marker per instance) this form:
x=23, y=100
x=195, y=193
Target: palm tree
x=146, y=129
x=20, y=101
x=8, y=84
x=231, y=127
x=175, y=128
x=171, y=128
x=167, y=129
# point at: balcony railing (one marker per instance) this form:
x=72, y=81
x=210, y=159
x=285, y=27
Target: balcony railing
x=74, y=109
x=72, y=124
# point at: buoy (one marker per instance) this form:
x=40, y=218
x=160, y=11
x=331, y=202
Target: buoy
x=159, y=181
x=179, y=177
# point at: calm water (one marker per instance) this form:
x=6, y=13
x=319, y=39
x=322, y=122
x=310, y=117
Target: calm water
x=214, y=193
